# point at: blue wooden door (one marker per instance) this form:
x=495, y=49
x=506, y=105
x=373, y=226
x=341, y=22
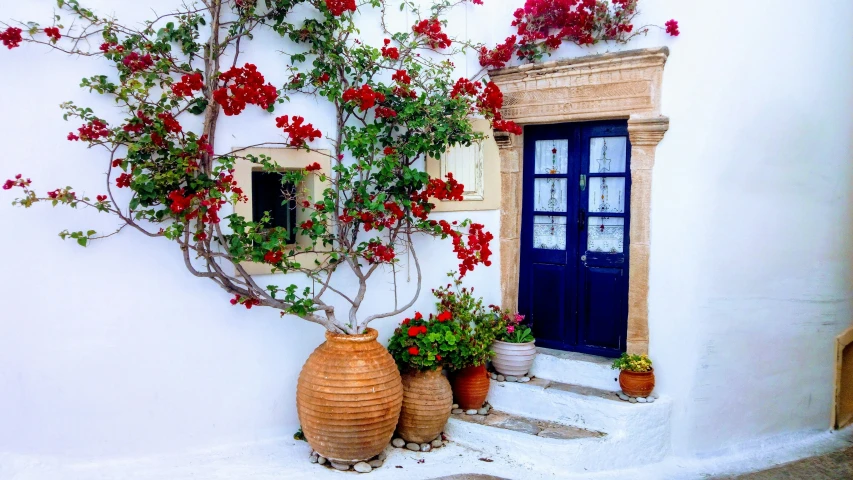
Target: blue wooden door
x=574, y=235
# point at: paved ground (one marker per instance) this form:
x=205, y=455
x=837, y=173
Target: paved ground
x=834, y=466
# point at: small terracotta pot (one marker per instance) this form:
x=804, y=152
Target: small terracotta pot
x=348, y=397
x=470, y=387
x=513, y=358
x=427, y=399
x=637, y=384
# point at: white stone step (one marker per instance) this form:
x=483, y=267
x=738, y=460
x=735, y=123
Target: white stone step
x=611, y=433
x=575, y=369
x=578, y=406
x=588, y=452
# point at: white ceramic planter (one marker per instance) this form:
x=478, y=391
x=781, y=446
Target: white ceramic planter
x=513, y=358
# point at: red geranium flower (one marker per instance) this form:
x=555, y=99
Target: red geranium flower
x=414, y=351
x=444, y=316
x=414, y=331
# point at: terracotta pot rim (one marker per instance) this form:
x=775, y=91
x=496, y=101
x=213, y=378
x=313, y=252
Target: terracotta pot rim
x=483, y=365
x=629, y=372
x=368, y=336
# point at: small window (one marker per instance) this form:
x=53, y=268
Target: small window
x=271, y=194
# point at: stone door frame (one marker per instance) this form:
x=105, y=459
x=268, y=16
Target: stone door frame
x=624, y=85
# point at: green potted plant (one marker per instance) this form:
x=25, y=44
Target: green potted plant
x=636, y=376
x=514, y=345
x=469, y=378
x=421, y=347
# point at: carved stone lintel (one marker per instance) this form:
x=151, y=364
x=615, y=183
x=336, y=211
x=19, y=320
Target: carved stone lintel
x=647, y=131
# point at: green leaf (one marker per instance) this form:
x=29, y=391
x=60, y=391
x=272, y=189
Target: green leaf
x=82, y=241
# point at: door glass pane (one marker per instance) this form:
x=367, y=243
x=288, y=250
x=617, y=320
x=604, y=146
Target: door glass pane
x=605, y=234
x=607, y=154
x=607, y=194
x=552, y=157
x=549, y=233
x=550, y=194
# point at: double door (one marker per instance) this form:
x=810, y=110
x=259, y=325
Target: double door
x=574, y=235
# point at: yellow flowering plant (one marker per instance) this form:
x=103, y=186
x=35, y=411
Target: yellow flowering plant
x=633, y=363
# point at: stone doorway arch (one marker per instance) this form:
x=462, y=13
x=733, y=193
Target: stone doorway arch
x=623, y=85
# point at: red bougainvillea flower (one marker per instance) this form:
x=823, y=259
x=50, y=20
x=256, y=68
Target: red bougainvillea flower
x=313, y=167
x=180, y=202
x=244, y=86
x=188, y=84
x=431, y=29
x=444, y=316
x=17, y=182
x=388, y=151
x=273, y=256
x=247, y=302
x=507, y=126
x=136, y=62
x=402, y=76
x=11, y=37
x=90, y=131
x=124, y=180
x=169, y=123
x=299, y=134
x=53, y=33
x=307, y=225
x=385, y=112
x=414, y=351
x=379, y=253
x=672, y=28
x=390, y=52
x=101, y=198
x=365, y=96
x=414, y=331
x=338, y=7
x=323, y=78
x=498, y=56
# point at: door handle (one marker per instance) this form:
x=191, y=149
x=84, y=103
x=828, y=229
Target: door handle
x=581, y=219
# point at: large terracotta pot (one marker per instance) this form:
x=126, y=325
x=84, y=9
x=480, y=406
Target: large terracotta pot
x=427, y=399
x=637, y=384
x=348, y=397
x=513, y=358
x=470, y=387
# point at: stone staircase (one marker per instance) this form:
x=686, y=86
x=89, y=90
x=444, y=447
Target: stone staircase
x=569, y=417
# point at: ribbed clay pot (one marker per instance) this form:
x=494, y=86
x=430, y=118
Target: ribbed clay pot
x=637, y=384
x=470, y=387
x=348, y=397
x=427, y=399
x=513, y=358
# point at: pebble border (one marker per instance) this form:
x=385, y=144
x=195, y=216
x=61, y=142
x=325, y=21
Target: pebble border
x=485, y=410
x=509, y=378
x=626, y=398
x=440, y=441
x=360, y=467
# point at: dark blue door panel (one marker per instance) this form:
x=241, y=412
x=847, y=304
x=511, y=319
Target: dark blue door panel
x=602, y=295
x=574, y=241
x=548, y=306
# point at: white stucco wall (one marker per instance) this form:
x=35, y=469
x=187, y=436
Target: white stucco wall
x=116, y=349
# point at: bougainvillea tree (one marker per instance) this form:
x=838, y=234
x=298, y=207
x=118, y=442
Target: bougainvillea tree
x=396, y=105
